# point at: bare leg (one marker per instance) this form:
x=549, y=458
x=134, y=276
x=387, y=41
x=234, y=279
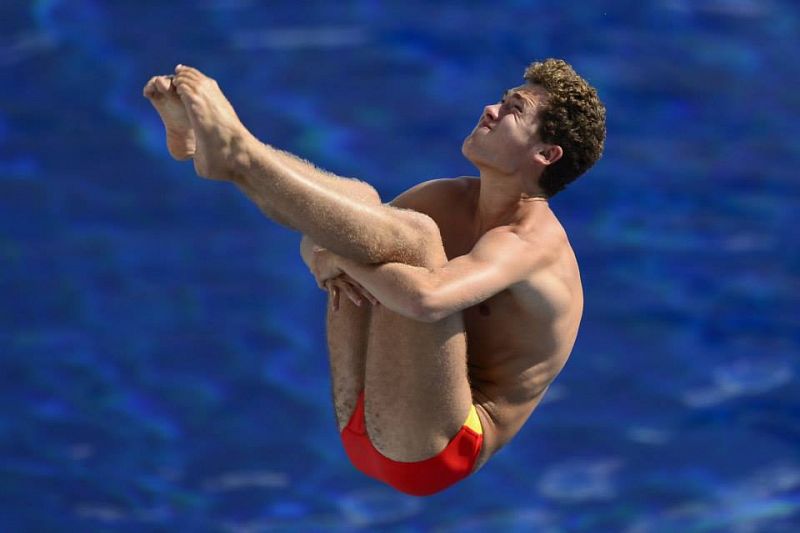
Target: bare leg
x=417, y=391
x=347, y=327
x=415, y=377
x=347, y=347
x=313, y=203
x=356, y=190
x=417, y=388
x=347, y=330
x=181, y=145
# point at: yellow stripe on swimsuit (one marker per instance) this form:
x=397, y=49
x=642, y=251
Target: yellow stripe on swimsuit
x=473, y=422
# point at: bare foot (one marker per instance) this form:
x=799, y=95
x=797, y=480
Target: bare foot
x=180, y=136
x=220, y=136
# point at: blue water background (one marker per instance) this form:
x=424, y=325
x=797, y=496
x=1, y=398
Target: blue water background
x=162, y=349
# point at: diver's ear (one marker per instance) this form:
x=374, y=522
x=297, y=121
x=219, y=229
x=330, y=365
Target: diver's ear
x=549, y=154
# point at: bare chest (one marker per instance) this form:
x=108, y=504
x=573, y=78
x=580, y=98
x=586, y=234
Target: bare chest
x=501, y=332
x=504, y=339
x=520, y=338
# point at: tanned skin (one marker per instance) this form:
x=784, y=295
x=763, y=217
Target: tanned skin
x=474, y=288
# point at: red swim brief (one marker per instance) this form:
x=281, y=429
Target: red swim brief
x=421, y=478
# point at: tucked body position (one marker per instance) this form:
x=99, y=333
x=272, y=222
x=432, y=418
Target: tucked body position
x=452, y=307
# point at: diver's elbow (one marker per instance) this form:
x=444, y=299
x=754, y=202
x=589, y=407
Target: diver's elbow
x=427, y=309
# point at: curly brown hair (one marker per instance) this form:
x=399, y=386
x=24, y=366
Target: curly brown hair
x=572, y=117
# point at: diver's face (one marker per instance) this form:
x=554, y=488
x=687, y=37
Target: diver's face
x=506, y=133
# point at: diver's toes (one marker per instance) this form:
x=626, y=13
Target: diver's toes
x=149, y=87
x=162, y=83
x=186, y=69
x=169, y=84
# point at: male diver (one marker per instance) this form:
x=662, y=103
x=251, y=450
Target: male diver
x=464, y=296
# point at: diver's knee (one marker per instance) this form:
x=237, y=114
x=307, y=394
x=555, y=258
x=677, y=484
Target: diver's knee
x=368, y=194
x=428, y=248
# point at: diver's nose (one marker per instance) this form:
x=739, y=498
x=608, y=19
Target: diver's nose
x=489, y=115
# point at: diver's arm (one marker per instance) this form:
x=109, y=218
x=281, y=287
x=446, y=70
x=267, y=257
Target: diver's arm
x=397, y=286
x=498, y=260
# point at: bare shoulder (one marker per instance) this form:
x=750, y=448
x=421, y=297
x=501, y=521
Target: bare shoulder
x=554, y=286
x=430, y=196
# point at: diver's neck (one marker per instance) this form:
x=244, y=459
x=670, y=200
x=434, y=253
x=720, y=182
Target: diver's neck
x=504, y=202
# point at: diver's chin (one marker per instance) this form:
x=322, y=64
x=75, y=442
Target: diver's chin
x=466, y=147
x=471, y=138
x=468, y=150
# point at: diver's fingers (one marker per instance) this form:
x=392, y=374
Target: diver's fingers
x=351, y=293
x=334, y=294
x=368, y=295
x=361, y=290
x=364, y=293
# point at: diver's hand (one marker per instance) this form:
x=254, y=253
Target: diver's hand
x=323, y=265
x=331, y=278
x=351, y=288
